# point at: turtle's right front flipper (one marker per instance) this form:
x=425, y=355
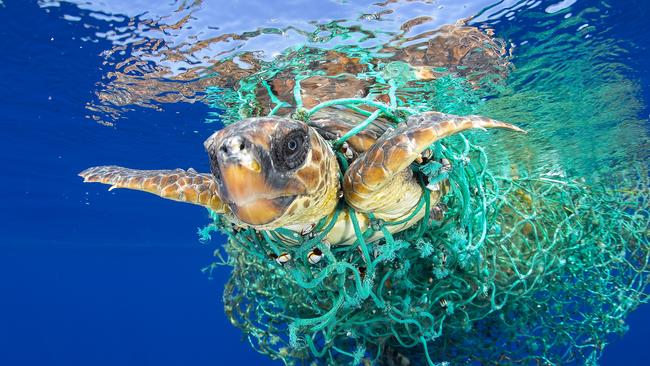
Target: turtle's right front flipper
x=379, y=182
x=178, y=184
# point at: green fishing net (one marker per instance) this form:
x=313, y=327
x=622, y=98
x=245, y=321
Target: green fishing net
x=509, y=268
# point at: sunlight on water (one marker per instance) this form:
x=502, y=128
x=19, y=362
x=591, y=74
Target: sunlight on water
x=567, y=73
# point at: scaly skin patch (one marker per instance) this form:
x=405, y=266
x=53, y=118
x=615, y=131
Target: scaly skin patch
x=178, y=184
x=318, y=202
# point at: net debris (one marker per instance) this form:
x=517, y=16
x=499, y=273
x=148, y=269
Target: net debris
x=506, y=269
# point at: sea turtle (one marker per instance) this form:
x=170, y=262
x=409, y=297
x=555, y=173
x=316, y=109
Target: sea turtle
x=272, y=172
x=276, y=171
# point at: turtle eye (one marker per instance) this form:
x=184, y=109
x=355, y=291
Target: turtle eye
x=292, y=144
x=291, y=150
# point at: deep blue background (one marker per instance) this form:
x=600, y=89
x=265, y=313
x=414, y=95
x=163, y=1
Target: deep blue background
x=89, y=277
x=95, y=278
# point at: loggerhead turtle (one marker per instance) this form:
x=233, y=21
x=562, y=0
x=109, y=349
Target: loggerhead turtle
x=272, y=172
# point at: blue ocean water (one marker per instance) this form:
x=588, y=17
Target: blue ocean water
x=95, y=278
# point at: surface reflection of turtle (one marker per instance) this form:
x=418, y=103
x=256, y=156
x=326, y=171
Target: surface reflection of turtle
x=465, y=50
x=272, y=172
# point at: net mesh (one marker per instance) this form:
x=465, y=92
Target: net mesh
x=505, y=269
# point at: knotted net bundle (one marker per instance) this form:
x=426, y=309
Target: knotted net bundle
x=515, y=268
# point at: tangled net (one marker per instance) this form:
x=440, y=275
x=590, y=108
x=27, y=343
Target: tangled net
x=504, y=270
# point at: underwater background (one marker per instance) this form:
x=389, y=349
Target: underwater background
x=90, y=277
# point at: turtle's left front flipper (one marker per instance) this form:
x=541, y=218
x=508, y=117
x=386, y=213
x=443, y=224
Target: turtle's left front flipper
x=178, y=184
x=379, y=182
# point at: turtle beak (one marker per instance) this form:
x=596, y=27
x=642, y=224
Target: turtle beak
x=240, y=171
x=248, y=193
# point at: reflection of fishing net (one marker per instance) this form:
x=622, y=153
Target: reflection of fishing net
x=504, y=270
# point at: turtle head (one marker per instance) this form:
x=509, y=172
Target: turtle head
x=269, y=170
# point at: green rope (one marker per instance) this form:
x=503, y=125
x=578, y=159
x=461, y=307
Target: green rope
x=358, y=128
x=352, y=101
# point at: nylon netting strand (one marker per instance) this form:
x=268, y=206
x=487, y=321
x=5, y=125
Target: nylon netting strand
x=516, y=269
